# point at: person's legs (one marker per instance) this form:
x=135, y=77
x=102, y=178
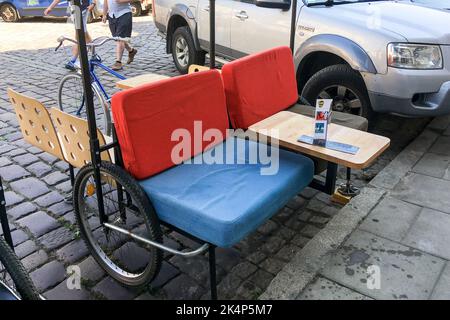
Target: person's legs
x=123, y=30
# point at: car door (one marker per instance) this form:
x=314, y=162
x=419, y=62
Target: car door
x=255, y=28
x=224, y=9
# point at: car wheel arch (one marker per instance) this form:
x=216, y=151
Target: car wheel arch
x=181, y=16
x=346, y=49
x=11, y=4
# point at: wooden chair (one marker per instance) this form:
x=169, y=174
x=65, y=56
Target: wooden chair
x=66, y=137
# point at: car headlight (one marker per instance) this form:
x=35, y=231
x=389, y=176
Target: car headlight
x=414, y=56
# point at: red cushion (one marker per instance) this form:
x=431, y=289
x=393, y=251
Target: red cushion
x=259, y=85
x=145, y=118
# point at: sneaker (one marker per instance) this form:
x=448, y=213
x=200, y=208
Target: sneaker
x=117, y=66
x=131, y=55
x=70, y=66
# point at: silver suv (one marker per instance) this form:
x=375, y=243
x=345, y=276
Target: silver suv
x=383, y=56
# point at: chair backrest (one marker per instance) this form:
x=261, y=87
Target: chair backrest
x=35, y=123
x=151, y=120
x=259, y=85
x=73, y=134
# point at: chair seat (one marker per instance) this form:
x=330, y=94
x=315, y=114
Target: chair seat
x=222, y=203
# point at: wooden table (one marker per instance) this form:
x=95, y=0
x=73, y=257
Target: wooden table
x=290, y=126
x=139, y=80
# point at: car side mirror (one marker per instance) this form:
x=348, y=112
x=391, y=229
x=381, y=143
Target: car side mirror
x=274, y=4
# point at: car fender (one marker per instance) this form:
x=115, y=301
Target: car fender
x=342, y=47
x=186, y=13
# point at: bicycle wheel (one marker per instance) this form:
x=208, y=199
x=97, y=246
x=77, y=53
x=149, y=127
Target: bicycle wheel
x=14, y=280
x=129, y=261
x=71, y=99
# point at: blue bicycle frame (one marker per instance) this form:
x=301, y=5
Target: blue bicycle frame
x=96, y=61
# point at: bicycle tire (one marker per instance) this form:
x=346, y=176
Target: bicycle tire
x=22, y=281
x=140, y=201
x=79, y=102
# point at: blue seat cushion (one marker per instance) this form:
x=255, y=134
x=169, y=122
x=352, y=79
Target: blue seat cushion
x=221, y=203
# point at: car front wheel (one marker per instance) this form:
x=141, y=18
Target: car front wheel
x=183, y=50
x=342, y=84
x=8, y=13
x=136, y=9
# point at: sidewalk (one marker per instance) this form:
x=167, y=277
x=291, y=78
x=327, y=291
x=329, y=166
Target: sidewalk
x=399, y=228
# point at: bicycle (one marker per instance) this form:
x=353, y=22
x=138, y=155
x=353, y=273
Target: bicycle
x=15, y=283
x=71, y=98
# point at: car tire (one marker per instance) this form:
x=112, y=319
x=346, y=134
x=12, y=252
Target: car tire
x=136, y=9
x=184, y=52
x=8, y=13
x=342, y=84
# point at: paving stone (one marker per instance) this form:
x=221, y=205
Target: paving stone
x=308, y=193
x=434, y=165
x=323, y=289
x=60, y=208
x=73, y=251
x=19, y=237
x=30, y=187
x=26, y=159
x=441, y=146
x=39, y=223
x=244, y=269
x=56, y=238
x=430, y=233
x=48, y=275
x=273, y=244
x=35, y=260
x=65, y=187
x=309, y=231
x=261, y=278
x=39, y=168
x=268, y=227
x=248, y=290
x=90, y=270
x=132, y=256
x=21, y=210
x=12, y=198
x=304, y=216
x=145, y=296
x=405, y=273
x=318, y=220
x=283, y=215
x=112, y=290
x=442, y=289
x=296, y=203
x=227, y=258
x=62, y=292
x=70, y=218
x=183, y=288
x=24, y=249
x=13, y=172
x=49, y=199
x=196, y=267
x=226, y=289
x=300, y=240
x=166, y=273
x=272, y=265
x=256, y=257
x=4, y=162
x=391, y=219
x=287, y=252
x=55, y=178
x=424, y=191
x=48, y=158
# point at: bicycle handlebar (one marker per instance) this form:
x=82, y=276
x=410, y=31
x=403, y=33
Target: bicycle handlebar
x=92, y=44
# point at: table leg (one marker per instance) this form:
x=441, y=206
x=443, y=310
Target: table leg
x=329, y=184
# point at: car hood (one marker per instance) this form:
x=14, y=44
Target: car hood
x=414, y=23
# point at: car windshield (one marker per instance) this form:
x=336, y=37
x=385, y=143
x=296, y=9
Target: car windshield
x=319, y=2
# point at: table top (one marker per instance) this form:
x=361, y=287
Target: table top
x=139, y=80
x=291, y=126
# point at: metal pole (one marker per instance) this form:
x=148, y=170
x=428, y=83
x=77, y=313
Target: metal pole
x=293, y=23
x=4, y=218
x=212, y=34
x=93, y=138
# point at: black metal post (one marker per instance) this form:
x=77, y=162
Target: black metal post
x=93, y=138
x=72, y=175
x=212, y=271
x=212, y=34
x=293, y=23
x=4, y=217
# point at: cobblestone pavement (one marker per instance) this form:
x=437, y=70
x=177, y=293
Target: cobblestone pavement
x=44, y=229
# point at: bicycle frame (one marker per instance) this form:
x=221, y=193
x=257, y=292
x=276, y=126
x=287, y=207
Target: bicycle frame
x=96, y=61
